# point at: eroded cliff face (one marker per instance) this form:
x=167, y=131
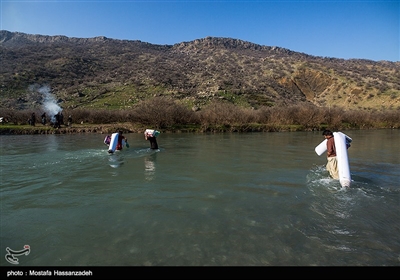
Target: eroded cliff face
x=312, y=83
x=323, y=89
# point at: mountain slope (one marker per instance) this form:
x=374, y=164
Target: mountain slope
x=99, y=72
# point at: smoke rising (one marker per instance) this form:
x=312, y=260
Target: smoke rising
x=49, y=103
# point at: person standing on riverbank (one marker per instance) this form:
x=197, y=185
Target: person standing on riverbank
x=44, y=118
x=32, y=120
x=57, y=120
x=61, y=119
x=332, y=164
x=69, y=120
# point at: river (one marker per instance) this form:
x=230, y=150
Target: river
x=225, y=199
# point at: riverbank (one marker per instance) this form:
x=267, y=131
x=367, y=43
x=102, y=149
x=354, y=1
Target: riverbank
x=76, y=128
x=127, y=127
x=9, y=129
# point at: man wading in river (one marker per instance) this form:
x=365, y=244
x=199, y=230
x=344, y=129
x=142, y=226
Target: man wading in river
x=332, y=165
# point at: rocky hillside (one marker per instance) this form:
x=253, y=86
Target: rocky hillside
x=101, y=72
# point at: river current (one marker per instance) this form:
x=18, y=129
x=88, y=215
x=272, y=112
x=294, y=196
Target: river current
x=227, y=199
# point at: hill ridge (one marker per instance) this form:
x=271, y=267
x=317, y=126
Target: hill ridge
x=99, y=70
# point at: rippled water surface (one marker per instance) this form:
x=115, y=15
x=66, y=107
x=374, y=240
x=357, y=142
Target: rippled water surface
x=260, y=199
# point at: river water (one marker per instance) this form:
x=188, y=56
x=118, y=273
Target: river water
x=228, y=199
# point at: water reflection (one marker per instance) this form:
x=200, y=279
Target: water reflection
x=52, y=143
x=150, y=166
x=115, y=160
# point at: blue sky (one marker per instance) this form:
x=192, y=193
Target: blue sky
x=341, y=29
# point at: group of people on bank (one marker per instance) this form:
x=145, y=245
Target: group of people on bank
x=56, y=121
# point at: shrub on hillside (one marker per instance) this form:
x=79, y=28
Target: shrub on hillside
x=163, y=113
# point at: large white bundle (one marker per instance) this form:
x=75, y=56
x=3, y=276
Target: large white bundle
x=113, y=143
x=342, y=159
x=342, y=142
x=152, y=132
